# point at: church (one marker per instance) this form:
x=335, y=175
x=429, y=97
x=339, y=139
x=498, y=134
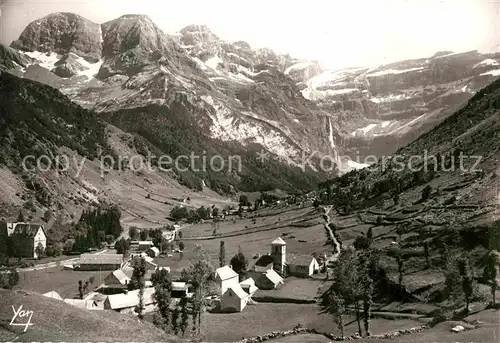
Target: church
x=293, y=265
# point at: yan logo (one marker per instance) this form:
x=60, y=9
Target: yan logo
x=21, y=317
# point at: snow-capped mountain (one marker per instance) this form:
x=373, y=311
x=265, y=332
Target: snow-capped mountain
x=252, y=97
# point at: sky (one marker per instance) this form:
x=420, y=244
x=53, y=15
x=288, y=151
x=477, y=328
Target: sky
x=338, y=33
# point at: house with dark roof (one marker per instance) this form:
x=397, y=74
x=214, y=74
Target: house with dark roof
x=302, y=265
x=264, y=263
x=25, y=240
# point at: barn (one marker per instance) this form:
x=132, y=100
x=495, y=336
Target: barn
x=100, y=262
x=302, y=265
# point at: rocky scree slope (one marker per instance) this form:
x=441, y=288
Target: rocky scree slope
x=37, y=120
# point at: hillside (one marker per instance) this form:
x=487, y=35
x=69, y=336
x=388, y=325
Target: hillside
x=55, y=320
x=37, y=120
x=433, y=204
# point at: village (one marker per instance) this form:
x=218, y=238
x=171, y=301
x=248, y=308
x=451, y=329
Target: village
x=279, y=260
x=269, y=265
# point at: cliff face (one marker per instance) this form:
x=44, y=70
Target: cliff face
x=62, y=33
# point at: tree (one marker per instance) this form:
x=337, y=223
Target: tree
x=184, y=316
x=200, y=275
x=362, y=242
x=222, y=254
x=143, y=236
x=137, y=282
x=467, y=281
x=490, y=273
x=9, y=279
x=426, y=192
x=175, y=320
x=400, y=230
x=133, y=232
x=181, y=246
x=400, y=262
x=80, y=288
x=178, y=213
x=21, y=218
x=122, y=246
x=244, y=200
x=365, y=264
x=239, y=262
x=39, y=251
x=333, y=304
x=163, y=297
x=346, y=283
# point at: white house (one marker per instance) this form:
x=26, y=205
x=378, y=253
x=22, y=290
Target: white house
x=119, y=302
x=302, y=265
x=249, y=286
x=25, y=238
x=226, y=277
x=235, y=299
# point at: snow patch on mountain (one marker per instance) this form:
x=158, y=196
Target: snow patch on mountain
x=390, y=98
x=314, y=94
x=494, y=72
x=214, y=62
x=225, y=129
x=365, y=129
x=90, y=69
x=298, y=66
x=46, y=60
x=486, y=62
x=356, y=165
x=394, y=71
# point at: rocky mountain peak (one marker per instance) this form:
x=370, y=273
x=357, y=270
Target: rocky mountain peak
x=131, y=31
x=62, y=33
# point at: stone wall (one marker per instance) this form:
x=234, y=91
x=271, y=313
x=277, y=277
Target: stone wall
x=297, y=331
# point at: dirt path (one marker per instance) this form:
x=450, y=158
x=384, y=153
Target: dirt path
x=336, y=254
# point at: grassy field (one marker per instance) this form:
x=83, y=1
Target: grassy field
x=296, y=288
x=302, y=230
x=64, y=282
x=263, y=318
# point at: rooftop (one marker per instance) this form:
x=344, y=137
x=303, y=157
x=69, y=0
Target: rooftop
x=225, y=273
x=101, y=259
x=278, y=241
x=130, y=299
x=274, y=277
x=300, y=260
x=240, y=293
x=264, y=261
